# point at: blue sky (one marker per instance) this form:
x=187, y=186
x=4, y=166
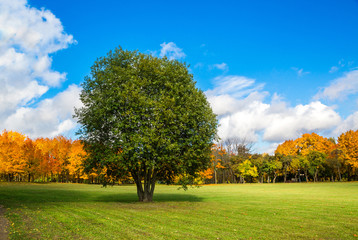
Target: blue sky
x=272, y=70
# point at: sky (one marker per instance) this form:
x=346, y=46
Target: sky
x=271, y=70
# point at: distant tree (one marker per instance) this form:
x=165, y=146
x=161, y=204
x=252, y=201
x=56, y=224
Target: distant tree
x=317, y=160
x=33, y=158
x=260, y=162
x=12, y=160
x=144, y=116
x=217, y=156
x=246, y=169
x=348, y=145
x=285, y=152
x=76, y=156
x=304, y=165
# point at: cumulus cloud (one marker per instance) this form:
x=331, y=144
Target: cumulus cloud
x=243, y=112
x=350, y=123
x=171, y=51
x=27, y=38
x=51, y=117
x=341, y=87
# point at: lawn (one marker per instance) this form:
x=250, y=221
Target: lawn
x=248, y=211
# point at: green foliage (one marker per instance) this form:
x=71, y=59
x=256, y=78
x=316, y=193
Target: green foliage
x=316, y=160
x=143, y=116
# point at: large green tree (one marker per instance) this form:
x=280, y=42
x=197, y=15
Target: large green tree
x=143, y=116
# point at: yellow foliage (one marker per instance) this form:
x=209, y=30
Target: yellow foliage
x=348, y=144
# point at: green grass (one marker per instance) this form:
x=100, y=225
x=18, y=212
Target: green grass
x=256, y=211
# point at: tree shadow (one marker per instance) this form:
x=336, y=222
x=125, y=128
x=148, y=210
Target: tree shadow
x=159, y=197
x=9, y=196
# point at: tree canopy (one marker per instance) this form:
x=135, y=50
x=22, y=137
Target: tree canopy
x=143, y=116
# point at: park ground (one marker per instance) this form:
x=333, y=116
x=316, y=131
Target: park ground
x=240, y=211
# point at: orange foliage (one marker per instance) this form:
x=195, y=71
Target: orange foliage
x=22, y=158
x=348, y=144
x=207, y=174
x=304, y=145
x=313, y=142
x=287, y=148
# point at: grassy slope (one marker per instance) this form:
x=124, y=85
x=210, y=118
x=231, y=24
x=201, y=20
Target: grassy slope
x=273, y=211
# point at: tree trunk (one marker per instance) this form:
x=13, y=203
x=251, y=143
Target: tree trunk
x=232, y=175
x=306, y=176
x=339, y=174
x=145, y=191
x=315, y=176
x=216, y=179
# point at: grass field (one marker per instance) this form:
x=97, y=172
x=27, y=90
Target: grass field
x=249, y=211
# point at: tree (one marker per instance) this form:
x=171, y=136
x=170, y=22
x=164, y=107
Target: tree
x=316, y=160
x=246, y=169
x=286, y=152
x=348, y=144
x=217, y=155
x=76, y=156
x=143, y=116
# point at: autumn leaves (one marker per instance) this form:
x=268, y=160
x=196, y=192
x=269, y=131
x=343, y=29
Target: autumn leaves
x=320, y=157
x=42, y=159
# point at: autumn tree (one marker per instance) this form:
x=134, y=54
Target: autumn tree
x=12, y=155
x=246, y=169
x=33, y=157
x=313, y=142
x=144, y=116
x=217, y=156
x=75, y=160
x=348, y=145
x=286, y=152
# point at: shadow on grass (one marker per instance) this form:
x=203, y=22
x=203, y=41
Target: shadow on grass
x=158, y=197
x=27, y=194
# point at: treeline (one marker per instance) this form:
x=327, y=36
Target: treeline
x=308, y=158
x=41, y=160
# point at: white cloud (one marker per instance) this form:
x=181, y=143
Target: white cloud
x=341, y=87
x=50, y=118
x=199, y=65
x=27, y=38
x=221, y=66
x=333, y=69
x=292, y=122
x=171, y=51
x=242, y=112
x=299, y=71
x=236, y=86
x=340, y=65
x=350, y=123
